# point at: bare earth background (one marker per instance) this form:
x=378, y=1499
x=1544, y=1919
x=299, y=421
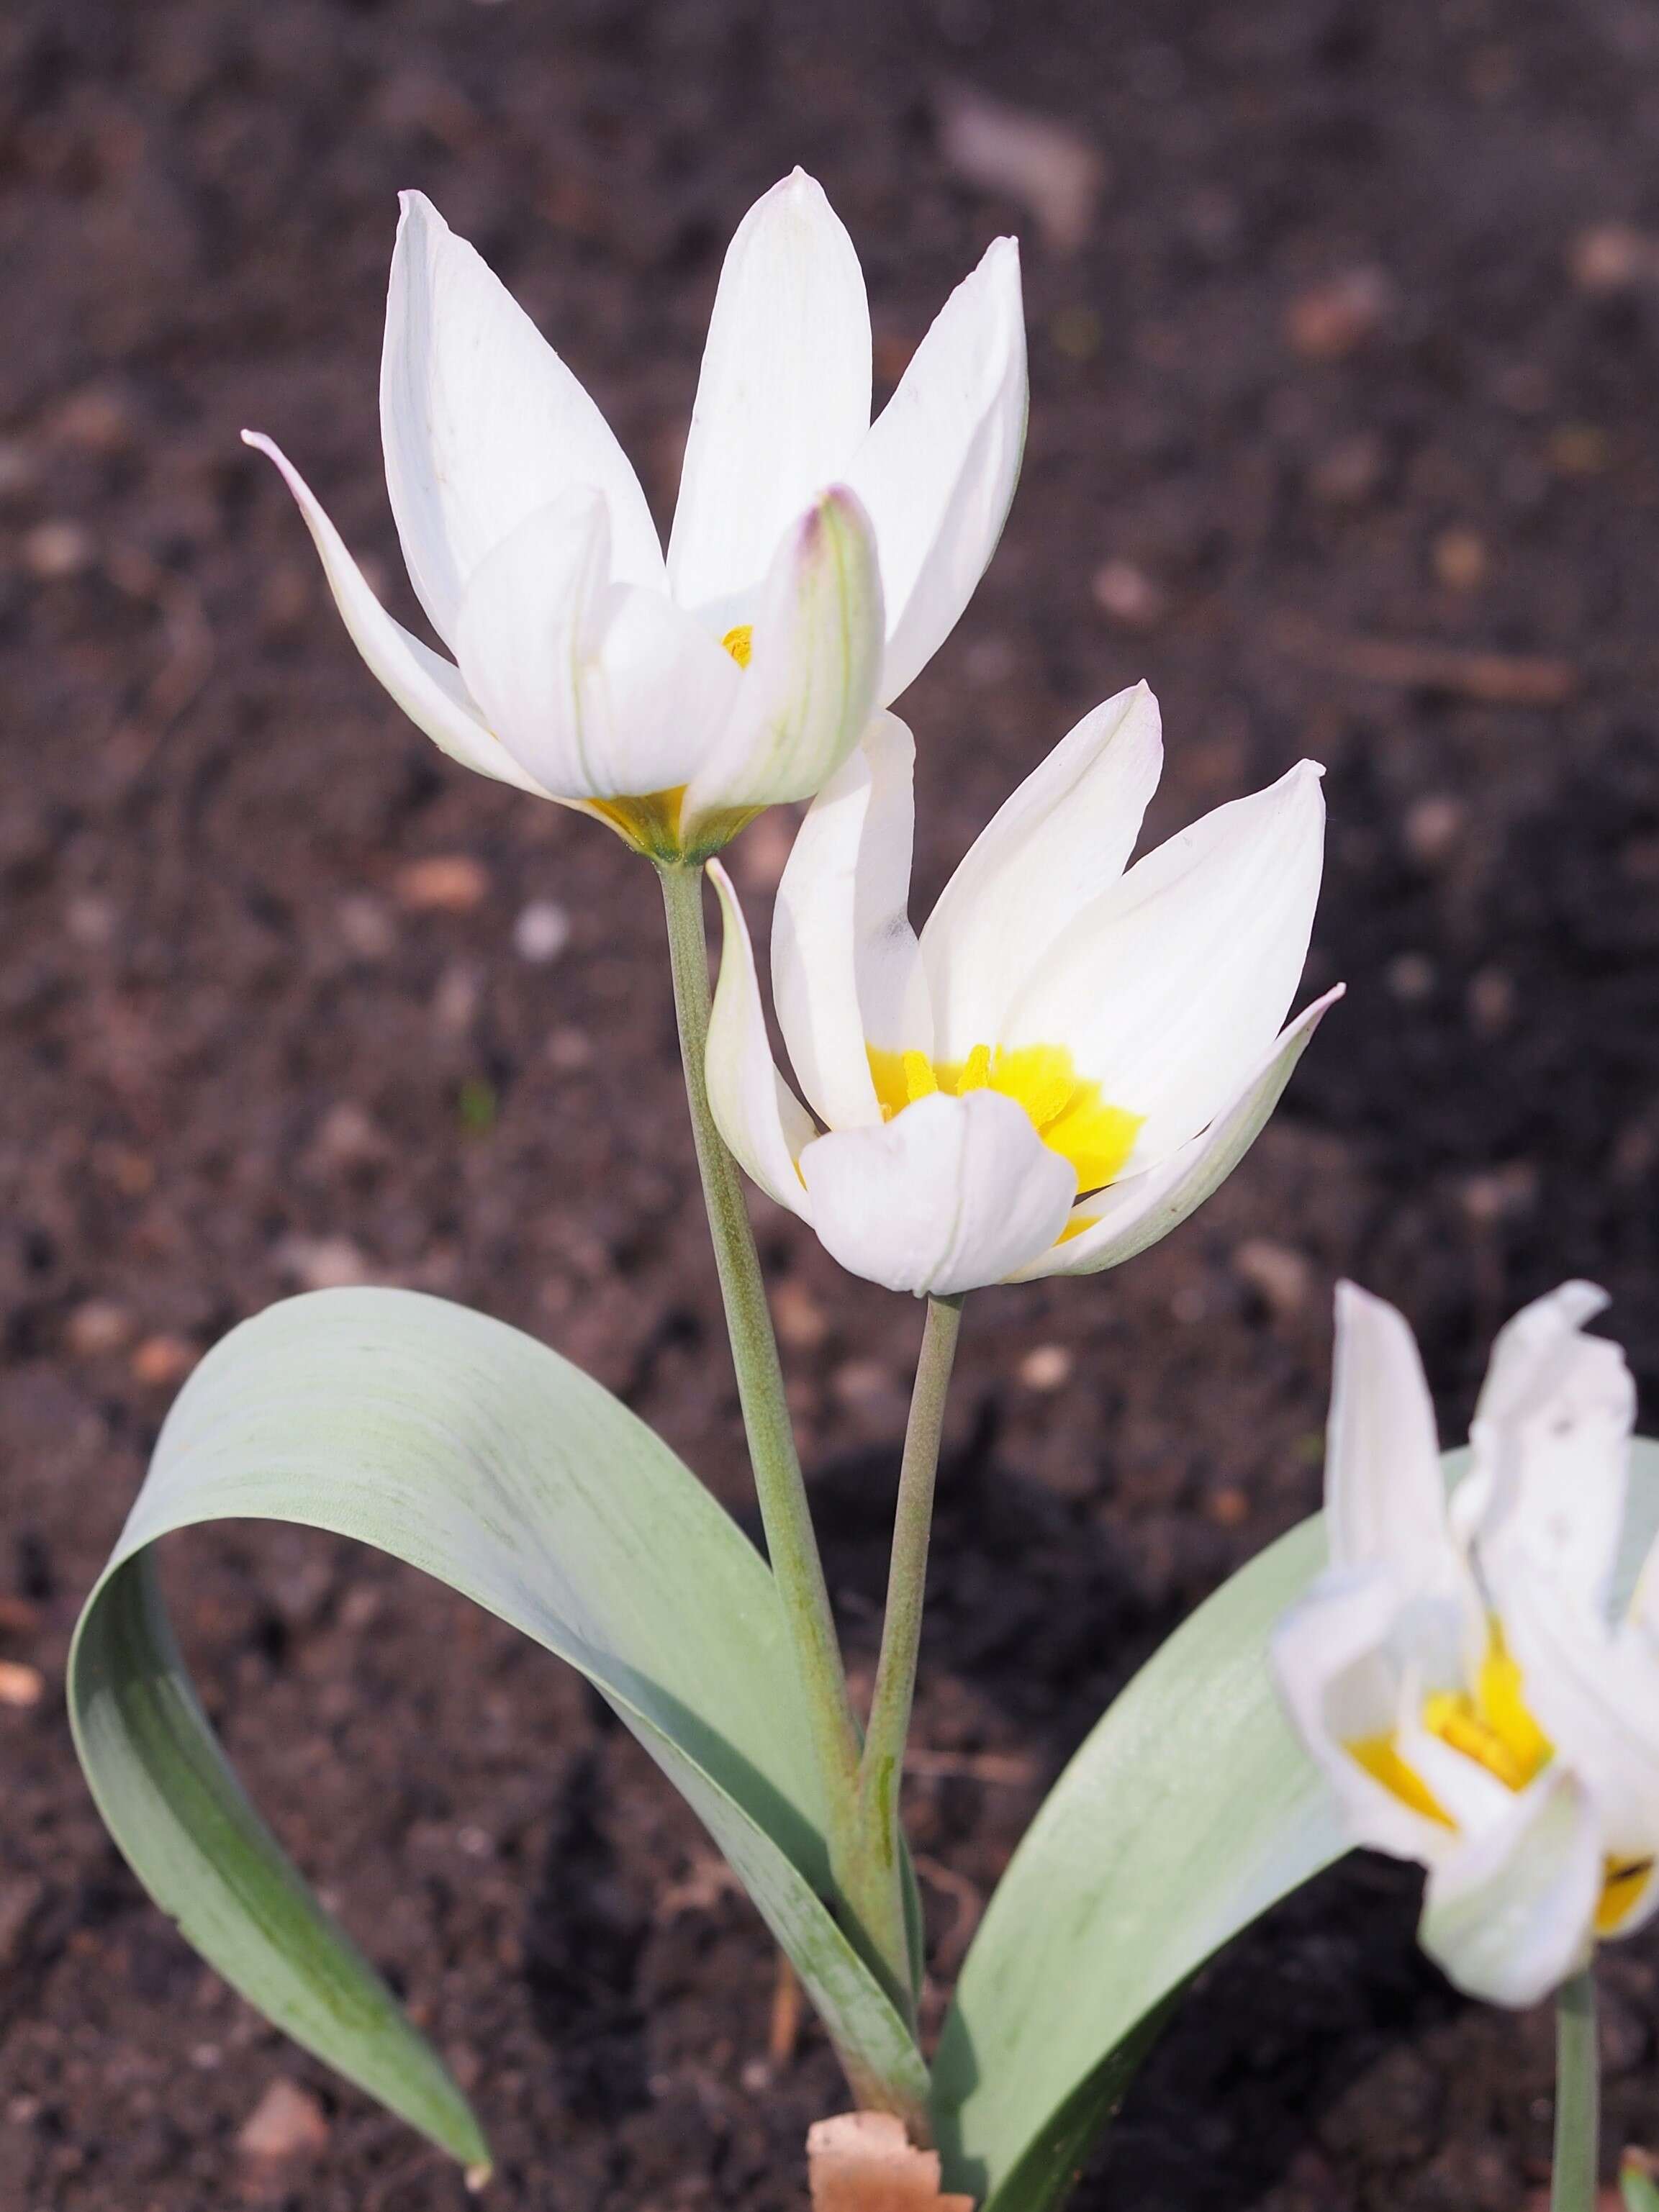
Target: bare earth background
x=1343, y=435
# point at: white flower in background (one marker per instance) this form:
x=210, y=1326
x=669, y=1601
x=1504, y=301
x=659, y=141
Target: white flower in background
x=1070, y=1059
x=1458, y=1671
x=815, y=563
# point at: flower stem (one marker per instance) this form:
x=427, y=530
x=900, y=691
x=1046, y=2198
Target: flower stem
x=879, y=1862
x=1578, y=2096
x=790, y=1541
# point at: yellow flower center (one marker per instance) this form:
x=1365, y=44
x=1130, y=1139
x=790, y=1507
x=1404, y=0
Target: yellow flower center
x=1067, y=1110
x=1495, y=1726
x=740, y=643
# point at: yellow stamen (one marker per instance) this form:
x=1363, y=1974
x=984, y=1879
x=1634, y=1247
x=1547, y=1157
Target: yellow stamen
x=740, y=643
x=1622, y=1883
x=1066, y=1110
x=1378, y=1756
x=1492, y=1725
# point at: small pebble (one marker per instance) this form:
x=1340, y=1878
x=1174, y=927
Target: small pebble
x=1128, y=594
x=96, y=420
x=160, y=1360
x=365, y=927
x=1330, y=321
x=53, y=551
x=1500, y=1194
x=1411, y=978
x=1046, y=1367
x=322, y=1263
x=1433, y=827
x=287, y=2123
x=1349, y=473
x=445, y=883
x=1282, y=1276
x=1612, y=257
x=19, y=1686
x=1460, y=560
x=568, y=1051
x=541, y=931
x=801, y=1321
x=1491, y=1001
x=98, y=1326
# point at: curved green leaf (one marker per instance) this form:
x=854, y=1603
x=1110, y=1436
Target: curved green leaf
x=469, y=1450
x=1189, y=1809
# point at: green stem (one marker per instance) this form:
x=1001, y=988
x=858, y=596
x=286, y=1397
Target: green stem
x=878, y=1871
x=790, y=1541
x=1578, y=2096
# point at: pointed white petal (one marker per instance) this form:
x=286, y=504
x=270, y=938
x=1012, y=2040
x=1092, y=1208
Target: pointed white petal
x=952, y=1193
x=845, y=968
x=1385, y=1499
x=430, y=692
x=783, y=399
x=1117, y=1223
x=600, y=689
x=809, y=687
x=1337, y=1668
x=938, y=467
x=483, y=423
x=1062, y=838
x=1511, y=1914
x=764, y=1124
x=1551, y=1443
x=1170, y=987
x=1596, y=1696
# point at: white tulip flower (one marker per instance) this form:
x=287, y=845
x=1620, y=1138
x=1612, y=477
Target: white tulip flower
x=1069, y=1059
x=1458, y=1671
x=816, y=559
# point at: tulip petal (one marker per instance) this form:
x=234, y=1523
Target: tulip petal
x=1117, y=1223
x=938, y=469
x=1385, y=1497
x=600, y=689
x=1170, y=987
x=808, y=691
x=951, y=1193
x=782, y=401
x=762, y=1123
x=431, y=693
x=1596, y=1696
x=483, y=423
x=846, y=972
x=1336, y=1661
x=1063, y=837
x=1551, y=1445
x=1511, y=1914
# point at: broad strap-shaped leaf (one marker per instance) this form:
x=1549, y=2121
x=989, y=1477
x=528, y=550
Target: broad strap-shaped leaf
x=475, y=1453
x=1189, y=1809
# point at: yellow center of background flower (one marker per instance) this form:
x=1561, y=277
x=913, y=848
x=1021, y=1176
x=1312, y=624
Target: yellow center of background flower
x=740, y=643
x=1065, y=1108
x=1494, y=1726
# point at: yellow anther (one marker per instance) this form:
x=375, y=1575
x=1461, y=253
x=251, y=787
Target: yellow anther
x=919, y=1080
x=1492, y=1725
x=1378, y=1756
x=740, y=643
x=1067, y=1110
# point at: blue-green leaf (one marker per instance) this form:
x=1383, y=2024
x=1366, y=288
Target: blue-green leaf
x=478, y=1455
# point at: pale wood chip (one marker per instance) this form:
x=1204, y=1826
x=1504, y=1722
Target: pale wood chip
x=864, y=2162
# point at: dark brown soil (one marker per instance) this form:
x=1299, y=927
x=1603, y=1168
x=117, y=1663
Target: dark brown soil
x=1352, y=381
